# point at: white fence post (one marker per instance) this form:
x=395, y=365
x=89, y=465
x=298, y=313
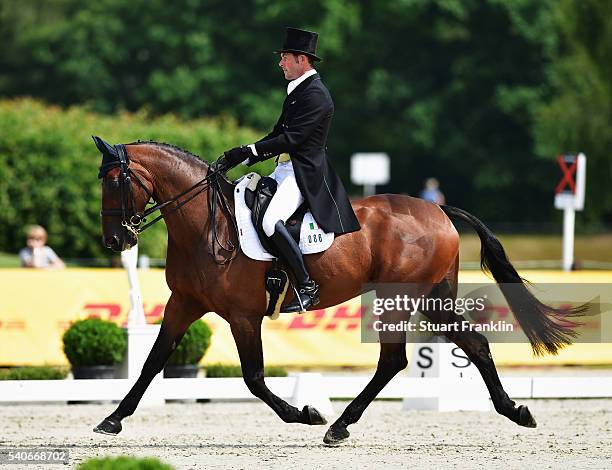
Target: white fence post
x=310, y=390
x=140, y=336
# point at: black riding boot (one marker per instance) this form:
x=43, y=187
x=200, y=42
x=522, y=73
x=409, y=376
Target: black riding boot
x=289, y=251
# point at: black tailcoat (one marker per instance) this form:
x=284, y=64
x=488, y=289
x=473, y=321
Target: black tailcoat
x=301, y=131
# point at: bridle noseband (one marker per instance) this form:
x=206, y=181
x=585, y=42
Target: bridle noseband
x=131, y=218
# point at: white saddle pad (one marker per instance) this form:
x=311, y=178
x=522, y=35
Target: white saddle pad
x=312, y=238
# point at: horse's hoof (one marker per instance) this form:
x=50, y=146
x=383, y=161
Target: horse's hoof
x=526, y=418
x=109, y=426
x=335, y=436
x=314, y=417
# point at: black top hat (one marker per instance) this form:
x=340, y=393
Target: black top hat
x=299, y=41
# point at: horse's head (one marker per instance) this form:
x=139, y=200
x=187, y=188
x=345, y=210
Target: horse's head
x=124, y=197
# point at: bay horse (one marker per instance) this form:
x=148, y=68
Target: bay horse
x=402, y=240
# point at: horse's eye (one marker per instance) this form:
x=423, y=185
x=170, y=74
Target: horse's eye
x=111, y=183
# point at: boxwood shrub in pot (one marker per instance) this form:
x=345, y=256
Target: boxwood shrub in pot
x=183, y=362
x=94, y=348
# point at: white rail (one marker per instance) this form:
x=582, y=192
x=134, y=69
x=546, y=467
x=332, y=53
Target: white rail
x=308, y=386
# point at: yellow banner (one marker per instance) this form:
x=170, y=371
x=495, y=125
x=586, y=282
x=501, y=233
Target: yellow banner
x=37, y=306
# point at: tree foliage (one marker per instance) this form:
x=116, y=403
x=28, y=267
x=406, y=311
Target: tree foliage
x=578, y=118
x=470, y=91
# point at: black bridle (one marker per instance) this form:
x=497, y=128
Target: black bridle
x=132, y=219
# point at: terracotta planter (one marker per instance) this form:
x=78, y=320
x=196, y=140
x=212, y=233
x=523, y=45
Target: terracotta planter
x=94, y=372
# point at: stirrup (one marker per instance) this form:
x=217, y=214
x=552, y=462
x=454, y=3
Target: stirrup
x=306, y=296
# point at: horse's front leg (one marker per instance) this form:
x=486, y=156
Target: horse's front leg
x=179, y=314
x=247, y=335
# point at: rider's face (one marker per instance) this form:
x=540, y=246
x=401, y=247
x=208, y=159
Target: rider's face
x=293, y=65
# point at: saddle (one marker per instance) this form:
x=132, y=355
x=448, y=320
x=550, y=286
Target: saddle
x=252, y=196
x=257, y=196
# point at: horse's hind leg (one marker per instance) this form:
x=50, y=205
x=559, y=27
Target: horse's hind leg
x=247, y=335
x=391, y=361
x=476, y=346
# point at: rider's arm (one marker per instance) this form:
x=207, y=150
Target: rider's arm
x=315, y=106
x=275, y=131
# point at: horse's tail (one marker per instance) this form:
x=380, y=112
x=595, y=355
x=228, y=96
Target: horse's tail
x=547, y=328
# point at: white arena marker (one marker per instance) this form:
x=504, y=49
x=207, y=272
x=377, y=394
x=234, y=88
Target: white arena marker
x=460, y=386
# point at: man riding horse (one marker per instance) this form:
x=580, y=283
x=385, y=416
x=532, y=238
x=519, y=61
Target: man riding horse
x=303, y=171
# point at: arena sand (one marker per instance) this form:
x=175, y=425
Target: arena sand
x=245, y=435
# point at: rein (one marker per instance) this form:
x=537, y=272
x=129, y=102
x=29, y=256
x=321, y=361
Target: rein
x=216, y=194
x=132, y=220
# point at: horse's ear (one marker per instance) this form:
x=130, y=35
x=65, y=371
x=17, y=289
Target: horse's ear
x=103, y=147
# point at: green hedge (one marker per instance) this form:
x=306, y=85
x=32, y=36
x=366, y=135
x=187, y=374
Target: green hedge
x=49, y=167
x=34, y=373
x=231, y=370
x=124, y=463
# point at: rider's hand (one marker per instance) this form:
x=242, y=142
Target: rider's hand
x=238, y=154
x=233, y=157
x=222, y=164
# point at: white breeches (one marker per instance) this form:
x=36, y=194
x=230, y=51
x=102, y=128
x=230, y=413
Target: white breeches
x=286, y=200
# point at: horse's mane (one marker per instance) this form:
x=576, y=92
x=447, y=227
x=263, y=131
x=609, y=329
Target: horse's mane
x=189, y=158
x=185, y=155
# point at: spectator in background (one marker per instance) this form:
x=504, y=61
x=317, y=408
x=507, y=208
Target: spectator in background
x=37, y=254
x=431, y=192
